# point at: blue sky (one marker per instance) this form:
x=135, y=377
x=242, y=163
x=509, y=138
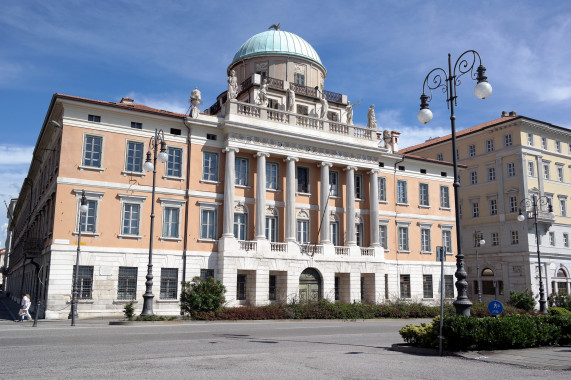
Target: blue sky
x=376, y=52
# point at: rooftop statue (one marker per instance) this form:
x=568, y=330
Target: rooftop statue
x=195, y=100
x=232, y=85
x=290, y=100
x=349, y=111
x=274, y=26
x=324, y=106
x=387, y=140
x=263, y=94
x=371, y=119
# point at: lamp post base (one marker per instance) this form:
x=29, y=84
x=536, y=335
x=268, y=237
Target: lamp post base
x=148, y=304
x=462, y=307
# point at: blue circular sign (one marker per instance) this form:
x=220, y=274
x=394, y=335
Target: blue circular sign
x=495, y=307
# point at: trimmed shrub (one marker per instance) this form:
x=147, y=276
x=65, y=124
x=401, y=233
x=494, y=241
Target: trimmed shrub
x=560, y=300
x=522, y=300
x=129, y=311
x=559, y=311
x=202, y=296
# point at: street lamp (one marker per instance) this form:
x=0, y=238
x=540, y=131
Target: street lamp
x=82, y=210
x=435, y=79
x=479, y=243
x=148, y=166
x=534, y=202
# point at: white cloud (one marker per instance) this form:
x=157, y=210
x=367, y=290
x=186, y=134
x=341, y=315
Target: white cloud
x=15, y=154
x=167, y=102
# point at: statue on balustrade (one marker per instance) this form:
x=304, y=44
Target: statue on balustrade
x=263, y=94
x=371, y=119
x=349, y=111
x=232, y=85
x=324, y=106
x=195, y=100
x=388, y=140
x=290, y=100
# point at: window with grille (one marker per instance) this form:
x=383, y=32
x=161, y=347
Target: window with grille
x=448, y=286
x=94, y=118
x=174, y=162
x=241, y=287
x=169, y=283
x=84, y=282
x=427, y=288
x=134, y=159
x=136, y=125
x=405, y=286
x=92, y=148
x=206, y=273
x=272, y=288
x=337, y=280
x=440, y=157
x=127, y=286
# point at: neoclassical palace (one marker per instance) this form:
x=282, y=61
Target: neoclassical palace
x=272, y=190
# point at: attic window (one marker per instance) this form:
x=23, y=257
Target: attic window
x=423, y=171
x=94, y=118
x=401, y=168
x=136, y=125
x=175, y=131
x=444, y=174
x=381, y=164
x=210, y=136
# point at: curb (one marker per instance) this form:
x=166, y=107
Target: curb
x=414, y=350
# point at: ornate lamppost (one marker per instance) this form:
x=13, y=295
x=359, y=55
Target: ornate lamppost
x=479, y=240
x=467, y=63
x=535, y=203
x=82, y=210
x=162, y=156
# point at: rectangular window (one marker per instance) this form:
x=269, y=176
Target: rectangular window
x=473, y=178
x=302, y=231
x=206, y=273
x=444, y=197
x=563, y=206
x=333, y=116
x=488, y=288
x=302, y=110
x=508, y=140
x=358, y=186
x=544, y=143
x=127, y=285
x=94, y=118
x=447, y=240
x=136, y=125
x=241, y=169
x=405, y=286
x=560, y=173
x=566, y=240
x=489, y=146
x=337, y=281
x=423, y=194
x=272, y=288
x=208, y=224
x=84, y=282
x=134, y=159
x=169, y=283
x=241, y=287
x=401, y=192
x=530, y=139
x=383, y=236
x=427, y=286
x=475, y=209
x=210, y=166
x=495, y=239
x=272, y=175
x=386, y=286
x=558, y=146
x=171, y=222
x=334, y=233
x=302, y=179
x=382, y=189
x=448, y=286
x=530, y=169
x=89, y=218
x=299, y=79
x=425, y=240
x=360, y=234
x=271, y=228
x=471, y=150
x=334, y=184
x=552, y=238
x=403, y=238
x=440, y=157
x=240, y=226
x=131, y=218
x=92, y=148
x=174, y=163
x=493, y=206
x=510, y=169
x=491, y=174
x=513, y=207
x=546, y=171
x=515, y=237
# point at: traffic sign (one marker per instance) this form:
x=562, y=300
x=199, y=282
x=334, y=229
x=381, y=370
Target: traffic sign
x=495, y=307
x=440, y=255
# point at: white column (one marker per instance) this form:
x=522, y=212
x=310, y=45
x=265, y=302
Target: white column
x=229, y=184
x=374, y=207
x=290, y=199
x=501, y=192
x=324, y=206
x=261, y=196
x=350, y=207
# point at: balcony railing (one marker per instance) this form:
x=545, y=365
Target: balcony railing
x=278, y=84
x=303, y=90
x=367, y=251
x=342, y=251
x=248, y=245
x=314, y=250
x=278, y=247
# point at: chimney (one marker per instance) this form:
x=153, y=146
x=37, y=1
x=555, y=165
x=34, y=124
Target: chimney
x=513, y=113
x=126, y=100
x=395, y=141
x=504, y=113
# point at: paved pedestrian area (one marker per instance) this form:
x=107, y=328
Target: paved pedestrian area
x=551, y=358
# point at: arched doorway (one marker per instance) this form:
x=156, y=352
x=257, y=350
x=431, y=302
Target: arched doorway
x=310, y=285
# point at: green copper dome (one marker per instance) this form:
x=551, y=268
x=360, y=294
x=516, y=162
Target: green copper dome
x=277, y=42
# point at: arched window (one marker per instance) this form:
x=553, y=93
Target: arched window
x=487, y=272
x=561, y=273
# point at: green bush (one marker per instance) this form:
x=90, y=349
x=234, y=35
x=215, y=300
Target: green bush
x=202, y=296
x=155, y=318
x=425, y=335
x=559, y=311
x=129, y=311
x=560, y=300
x=522, y=300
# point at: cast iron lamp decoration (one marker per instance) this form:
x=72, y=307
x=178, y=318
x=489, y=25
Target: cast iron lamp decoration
x=480, y=242
x=148, y=166
x=435, y=79
x=83, y=208
x=534, y=203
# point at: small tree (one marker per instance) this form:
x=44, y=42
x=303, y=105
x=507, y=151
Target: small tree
x=129, y=311
x=202, y=295
x=522, y=300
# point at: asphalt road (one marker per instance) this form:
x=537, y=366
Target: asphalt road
x=231, y=350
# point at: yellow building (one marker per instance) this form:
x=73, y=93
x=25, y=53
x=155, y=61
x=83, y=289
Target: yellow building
x=271, y=190
x=510, y=161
